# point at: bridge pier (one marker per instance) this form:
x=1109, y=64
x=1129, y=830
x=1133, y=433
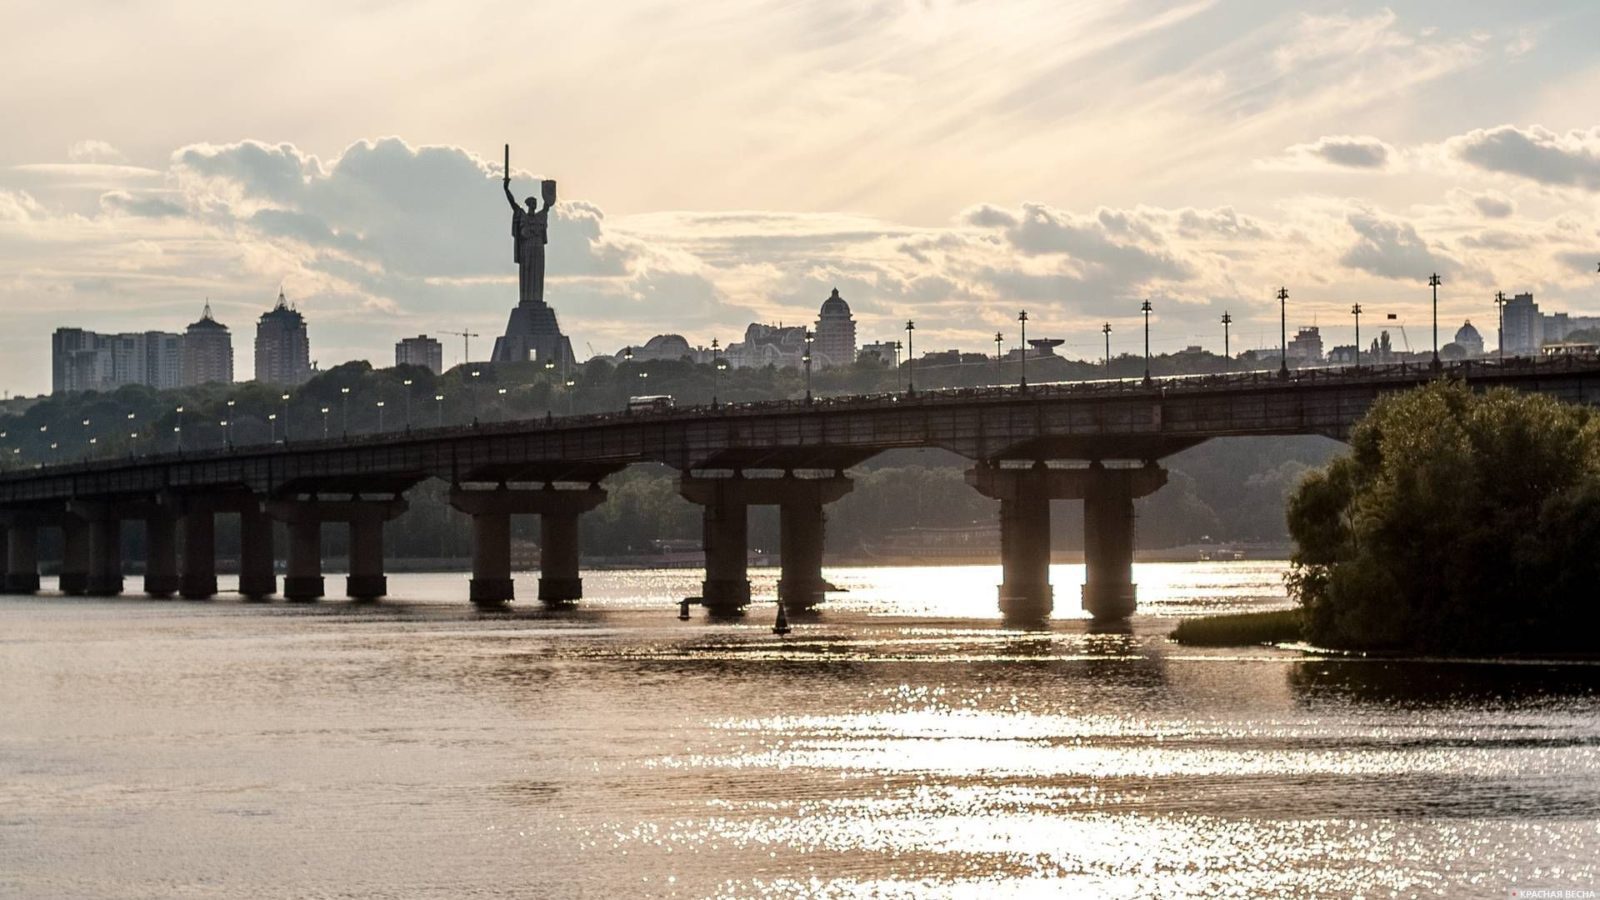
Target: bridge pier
x=198, y=580
x=161, y=577
x=304, y=519
x=105, y=555
x=74, y=578
x=1025, y=495
x=22, y=557
x=560, y=556
x=257, y=580
x=725, y=532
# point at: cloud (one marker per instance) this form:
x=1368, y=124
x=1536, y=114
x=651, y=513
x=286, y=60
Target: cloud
x=1537, y=154
x=145, y=205
x=1342, y=151
x=93, y=151
x=1393, y=249
x=1494, y=206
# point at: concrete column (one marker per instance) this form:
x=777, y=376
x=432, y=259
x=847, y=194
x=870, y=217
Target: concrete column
x=559, y=583
x=257, y=580
x=199, y=578
x=1108, y=590
x=366, y=580
x=303, y=576
x=726, y=536
x=800, y=583
x=161, y=577
x=105, y=556
x=491, y=559
x=74, y=555
x=22, y=558
x=1025, y=591
x=558, y=510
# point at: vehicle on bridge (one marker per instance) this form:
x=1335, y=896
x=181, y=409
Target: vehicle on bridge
x=650, y=403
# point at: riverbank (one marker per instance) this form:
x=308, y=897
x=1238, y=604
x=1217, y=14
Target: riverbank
x=1241, y=629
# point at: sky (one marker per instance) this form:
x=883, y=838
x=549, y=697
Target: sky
x=726, y=162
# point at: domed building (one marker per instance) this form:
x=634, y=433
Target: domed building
x=836, y=333
x=1470, y=340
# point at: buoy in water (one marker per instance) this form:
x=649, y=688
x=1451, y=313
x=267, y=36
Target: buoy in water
x=781, y=626
x=683, y=610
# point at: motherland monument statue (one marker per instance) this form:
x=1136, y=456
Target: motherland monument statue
x=532, y=332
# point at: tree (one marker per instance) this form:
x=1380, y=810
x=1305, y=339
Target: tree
x=1458, y=522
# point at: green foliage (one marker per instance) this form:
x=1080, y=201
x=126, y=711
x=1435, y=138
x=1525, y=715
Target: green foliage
x=1458, y=522
x=1274, y=627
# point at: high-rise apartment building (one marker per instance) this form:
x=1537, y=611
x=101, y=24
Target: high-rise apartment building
x=283, y=350
x=207, y=351
x=836, y=333
x=420, y=351
x=83, y=360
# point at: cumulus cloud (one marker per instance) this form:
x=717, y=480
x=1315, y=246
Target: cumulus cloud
x=1537, y=154
x=1341, y=151
x=1494, y=206
x=95, y=151
x=1393, y=249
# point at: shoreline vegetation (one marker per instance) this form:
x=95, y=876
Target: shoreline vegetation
x=1458, y=524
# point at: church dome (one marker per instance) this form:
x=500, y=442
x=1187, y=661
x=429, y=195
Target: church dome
x=1467, y=334
x=835, y=306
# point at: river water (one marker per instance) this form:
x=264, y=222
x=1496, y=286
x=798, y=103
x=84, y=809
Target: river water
x=901, y=743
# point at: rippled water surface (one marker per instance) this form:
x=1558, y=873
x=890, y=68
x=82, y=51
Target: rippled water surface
x=899, y=743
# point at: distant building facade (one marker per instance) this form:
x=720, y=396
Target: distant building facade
x=1469, y=340
x=207, y=351
x=1305, y=347
x=283, y=349
x=420, y=351
x=82, y=360
x=1524, y=332
x=880, y=351
x=668, y=347
x=835, y=334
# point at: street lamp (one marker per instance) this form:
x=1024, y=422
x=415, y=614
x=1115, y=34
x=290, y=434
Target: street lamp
x=999, y=358
x=1106, y=330
x=1022, y=348
x=380, y=416
x=1226, y=321
x=807, y=360
x=344, y=411
x=474, y=387
x=1434, y=282
x=407, y=384
x=897, y=348
x=502, y=405
x=438, y=402
x=1283, y=332
x=716, y=370
x=1356, y=311
x=1145, y=308
x=325, y=423
x=176, y=429
x=227, y=434
x=1500, y=334
x=229, y=427
x=272, y=426
x=285, y=399
x=570, y=384
x=911, y=359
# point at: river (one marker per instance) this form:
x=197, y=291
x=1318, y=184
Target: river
x=900, y=743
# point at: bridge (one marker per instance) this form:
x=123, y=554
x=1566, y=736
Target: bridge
x=1099, y=442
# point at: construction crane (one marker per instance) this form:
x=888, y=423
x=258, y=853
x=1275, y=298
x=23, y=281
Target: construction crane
x=466, y=343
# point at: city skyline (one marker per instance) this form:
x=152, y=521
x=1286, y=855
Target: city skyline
x=1248, y=149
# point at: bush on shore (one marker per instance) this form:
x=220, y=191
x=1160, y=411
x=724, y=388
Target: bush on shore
x=1276, y=626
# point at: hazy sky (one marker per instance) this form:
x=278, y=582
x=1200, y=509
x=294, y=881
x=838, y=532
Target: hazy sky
x=722, y=161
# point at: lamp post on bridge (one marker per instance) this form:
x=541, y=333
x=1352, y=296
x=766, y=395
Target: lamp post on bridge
x=1022, y=349
x=229, y=424
x=716, y=370
x=807, y=360
x=1356, y=311
x=999, y=358
x=1226, y=321
x=325, y=423
x=472, y=388
x=1283, y=332
x=911, y=359
x=1145, y=308
x=1434, y=282
x=285, y=399
x=272, y=427
x=438, y=402
x=407, y=384
x=897, y=348
x=344, y=411
x=1106, y=330
x=1500, y=332
x=380, y=416
x=176, y=429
